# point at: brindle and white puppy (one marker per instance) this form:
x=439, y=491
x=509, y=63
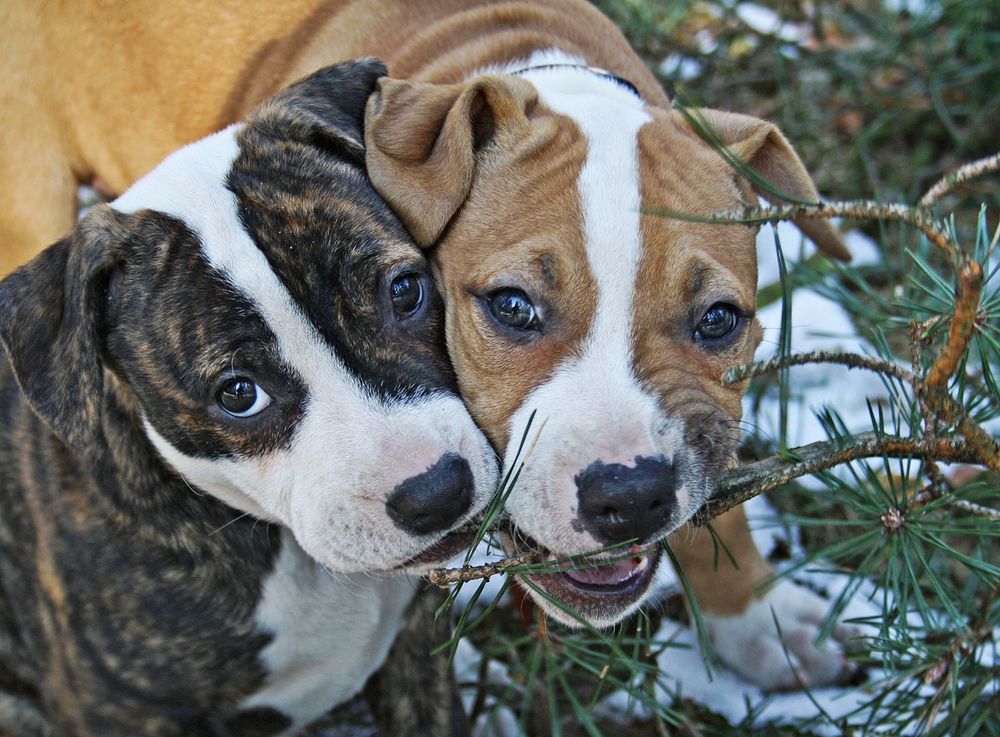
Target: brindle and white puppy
x=226, y=408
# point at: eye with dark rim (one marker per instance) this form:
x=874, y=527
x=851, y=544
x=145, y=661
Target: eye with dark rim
x=512, y=309
x=406, y=292
x=719, y=321
x=241, y=397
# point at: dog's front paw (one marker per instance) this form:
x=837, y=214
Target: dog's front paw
x=749, y=642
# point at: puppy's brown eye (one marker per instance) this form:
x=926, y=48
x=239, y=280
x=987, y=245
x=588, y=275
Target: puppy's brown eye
x=513, y=309
x=718, y=321
x=406, y=293
x=241, y=397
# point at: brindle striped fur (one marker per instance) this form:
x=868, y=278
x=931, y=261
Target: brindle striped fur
x=127, y=599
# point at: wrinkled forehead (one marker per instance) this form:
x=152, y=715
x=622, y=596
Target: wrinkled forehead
x=604, y=179
x=683, y=182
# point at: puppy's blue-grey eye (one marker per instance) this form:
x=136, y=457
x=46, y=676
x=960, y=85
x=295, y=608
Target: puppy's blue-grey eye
x=406, y=293
x=242, y=398
x=512, y=308
x=718, y=321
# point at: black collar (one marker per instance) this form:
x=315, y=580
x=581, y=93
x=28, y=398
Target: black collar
x=593, y=70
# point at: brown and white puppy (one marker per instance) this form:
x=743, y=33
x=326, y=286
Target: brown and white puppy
x=227, y=411
x=561, y=295
x=568, y=300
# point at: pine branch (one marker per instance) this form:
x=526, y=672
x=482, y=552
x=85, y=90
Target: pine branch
x=748, y=480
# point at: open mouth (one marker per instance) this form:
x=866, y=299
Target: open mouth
x=612, y=578
x=599, y=593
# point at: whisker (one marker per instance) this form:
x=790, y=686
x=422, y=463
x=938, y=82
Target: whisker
x=232, y=521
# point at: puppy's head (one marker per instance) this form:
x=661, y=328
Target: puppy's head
x=563, y=298
x=271, y=329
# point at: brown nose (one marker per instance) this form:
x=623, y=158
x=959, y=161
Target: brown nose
x=434, y=500
x=619, y=503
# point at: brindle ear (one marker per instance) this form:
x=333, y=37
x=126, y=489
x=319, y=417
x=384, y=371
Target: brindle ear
x=50, y=317
x=766, y=150
x=325, y=109
x=423, y=141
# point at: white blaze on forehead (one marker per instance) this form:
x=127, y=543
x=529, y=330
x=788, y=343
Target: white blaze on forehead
x=190, y=185
x=609, y=116
x=593, y=406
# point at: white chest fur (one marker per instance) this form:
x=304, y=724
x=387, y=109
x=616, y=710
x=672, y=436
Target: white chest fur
x=331, y=632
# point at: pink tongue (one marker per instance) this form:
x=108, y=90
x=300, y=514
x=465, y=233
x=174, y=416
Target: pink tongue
x=609, y=575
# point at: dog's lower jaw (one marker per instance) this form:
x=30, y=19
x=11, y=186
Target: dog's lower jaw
x=440, y=552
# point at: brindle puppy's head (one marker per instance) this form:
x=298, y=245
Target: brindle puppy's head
x=563, y=298
x=274, y=331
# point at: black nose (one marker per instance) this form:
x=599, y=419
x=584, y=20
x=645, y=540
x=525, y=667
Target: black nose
x=619, y=503
x=432, y=501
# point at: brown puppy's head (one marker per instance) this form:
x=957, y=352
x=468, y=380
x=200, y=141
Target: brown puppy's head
x=564, y=299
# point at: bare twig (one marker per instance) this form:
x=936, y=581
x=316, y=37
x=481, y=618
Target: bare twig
x=984, y=445
x=919, y=218
x=445, y=577
x=918, y=336
x=981, y=441
x=851, y=360
x=962, y=174
x=979, y=510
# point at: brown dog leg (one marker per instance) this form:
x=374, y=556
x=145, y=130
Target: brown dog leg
x=720, y=587
x=414, y=693
x=740, y=615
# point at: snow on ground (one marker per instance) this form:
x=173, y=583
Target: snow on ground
x=818, y=324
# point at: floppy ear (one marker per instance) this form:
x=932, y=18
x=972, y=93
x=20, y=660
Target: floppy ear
x=423, y=140
x=50, y=322
x=766, y=150
x=325, y=109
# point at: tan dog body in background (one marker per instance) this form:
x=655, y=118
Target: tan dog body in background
x=103, y=91
x=533, y=183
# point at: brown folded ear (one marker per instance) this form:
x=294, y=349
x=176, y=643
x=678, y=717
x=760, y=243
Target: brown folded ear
x=766, y=150
x=422, y=143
